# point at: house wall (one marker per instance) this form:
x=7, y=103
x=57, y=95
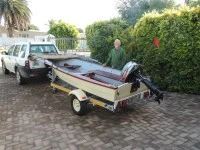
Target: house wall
x=4, y=32
x=23, y=34
x=7, y=42
x=20, y=36
x=31, y=34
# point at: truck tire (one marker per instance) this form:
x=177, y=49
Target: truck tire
x=5, y=70
x=20, y=80
x=78, y=107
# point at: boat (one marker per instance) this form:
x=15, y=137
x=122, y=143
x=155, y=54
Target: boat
x=109, y=85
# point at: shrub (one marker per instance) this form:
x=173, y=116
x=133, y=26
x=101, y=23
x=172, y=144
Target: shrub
x=101, y=35
x=175, y=64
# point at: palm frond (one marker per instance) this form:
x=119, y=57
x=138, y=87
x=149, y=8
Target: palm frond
x=15, y=13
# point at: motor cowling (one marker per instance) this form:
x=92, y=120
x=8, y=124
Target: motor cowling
x=129, y=69
x=128, y=75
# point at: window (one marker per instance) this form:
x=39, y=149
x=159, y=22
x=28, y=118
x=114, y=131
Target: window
x=10, y=51
x=43, y=49
x=23, y=50
x=23, y=35
x=16, y=51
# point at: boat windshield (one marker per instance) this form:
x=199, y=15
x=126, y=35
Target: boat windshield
x=39, y=49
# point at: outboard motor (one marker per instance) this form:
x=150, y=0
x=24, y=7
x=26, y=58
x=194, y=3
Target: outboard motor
x=131, y=73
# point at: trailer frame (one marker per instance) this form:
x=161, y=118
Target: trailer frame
x=83, y=98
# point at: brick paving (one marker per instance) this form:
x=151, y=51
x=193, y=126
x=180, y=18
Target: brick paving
x=32, y=117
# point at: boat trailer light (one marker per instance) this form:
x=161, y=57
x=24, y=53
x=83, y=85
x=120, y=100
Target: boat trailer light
x=84, y=97
x=146, y=94
x=27, y=65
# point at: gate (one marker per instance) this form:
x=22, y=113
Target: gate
x=72, y=44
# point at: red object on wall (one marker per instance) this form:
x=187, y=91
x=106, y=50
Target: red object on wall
x=156, y=42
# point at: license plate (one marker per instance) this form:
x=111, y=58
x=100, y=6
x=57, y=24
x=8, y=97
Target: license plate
x=136, y=97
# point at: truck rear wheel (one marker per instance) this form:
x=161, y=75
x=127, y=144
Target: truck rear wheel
x=5, y=70
x=20, y=80
x=78, y=107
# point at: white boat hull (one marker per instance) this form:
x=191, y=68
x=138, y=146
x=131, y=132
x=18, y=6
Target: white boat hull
x=108, y=92
x=85, y=84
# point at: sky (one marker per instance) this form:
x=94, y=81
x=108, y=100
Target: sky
x=75, y=12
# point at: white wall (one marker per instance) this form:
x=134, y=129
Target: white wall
x=6, y=41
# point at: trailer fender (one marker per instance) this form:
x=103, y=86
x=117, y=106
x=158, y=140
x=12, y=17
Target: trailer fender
x=79, y=94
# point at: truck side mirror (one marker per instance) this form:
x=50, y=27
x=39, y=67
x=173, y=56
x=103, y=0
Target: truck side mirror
x=4, y=53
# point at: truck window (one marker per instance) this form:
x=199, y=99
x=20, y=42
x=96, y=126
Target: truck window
x=23, y=50
x=10, y=51
x=43, y=49
x=16, y=50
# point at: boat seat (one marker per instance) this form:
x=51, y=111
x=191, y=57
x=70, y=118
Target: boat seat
x=70, y=69
x=91, y=75
x=100, y=80
x=107, y=74
x=71, y=66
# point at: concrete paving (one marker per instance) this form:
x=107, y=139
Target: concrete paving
x=32, y=117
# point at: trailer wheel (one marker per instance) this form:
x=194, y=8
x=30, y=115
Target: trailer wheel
x=54, y=90
x=78, y=107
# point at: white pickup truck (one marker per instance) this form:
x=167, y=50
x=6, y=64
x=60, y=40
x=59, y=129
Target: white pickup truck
x=19, y=59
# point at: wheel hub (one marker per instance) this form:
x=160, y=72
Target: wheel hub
x=76, y=105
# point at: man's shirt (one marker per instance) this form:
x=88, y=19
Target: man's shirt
x=117, y=58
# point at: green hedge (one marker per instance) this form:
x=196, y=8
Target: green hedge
x=175, y=64
x=101, y=35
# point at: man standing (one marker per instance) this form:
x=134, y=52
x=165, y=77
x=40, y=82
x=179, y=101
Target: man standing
x=117, y=56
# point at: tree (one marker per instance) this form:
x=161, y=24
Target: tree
x=80, y=30
x=15, y=13
x=192, y=3
x=64, y=30
x=52, y=22
x=132, y=10
x=187, y=2
x=32, y=27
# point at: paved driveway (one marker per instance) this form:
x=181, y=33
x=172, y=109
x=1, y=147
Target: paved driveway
x=32, y=117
